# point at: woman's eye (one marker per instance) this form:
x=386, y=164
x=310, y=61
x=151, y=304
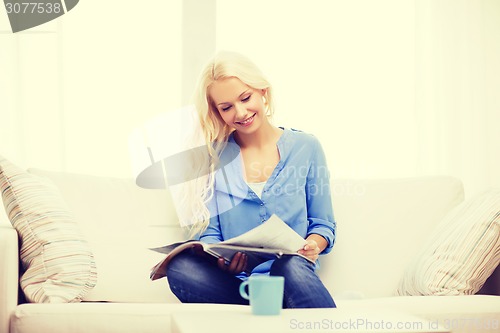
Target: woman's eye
x=246, y=99
x=226, y=108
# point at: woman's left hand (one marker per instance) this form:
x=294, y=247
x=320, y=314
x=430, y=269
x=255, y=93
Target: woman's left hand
x=310, y=250
x=237, y=265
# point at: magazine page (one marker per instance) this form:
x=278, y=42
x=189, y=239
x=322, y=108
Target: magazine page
x=169, y=248
x=272, y=234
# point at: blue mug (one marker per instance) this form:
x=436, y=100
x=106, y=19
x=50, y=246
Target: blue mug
x=265, y=294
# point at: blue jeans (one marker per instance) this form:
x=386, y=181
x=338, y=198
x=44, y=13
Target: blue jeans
x=194, y=279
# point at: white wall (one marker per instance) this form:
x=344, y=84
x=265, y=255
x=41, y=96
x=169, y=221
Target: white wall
x=118, y=71
x=29, y=99
x=342, y=70
x=393, y=88
x=458, y=90
x=77, y=86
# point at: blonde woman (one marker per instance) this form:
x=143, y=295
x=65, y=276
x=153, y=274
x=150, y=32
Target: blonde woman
x=277, y=171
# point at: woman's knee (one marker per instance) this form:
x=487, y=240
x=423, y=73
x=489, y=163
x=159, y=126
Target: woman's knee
x=290, y=264
x=182, y=266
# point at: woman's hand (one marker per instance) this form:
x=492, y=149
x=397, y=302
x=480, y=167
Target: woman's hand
x=315, y=245
x=237, y=265
x=310, y=250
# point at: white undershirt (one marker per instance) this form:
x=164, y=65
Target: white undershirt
x=257, y=188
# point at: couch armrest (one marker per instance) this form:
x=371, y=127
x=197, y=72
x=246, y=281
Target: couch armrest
x=9, y=274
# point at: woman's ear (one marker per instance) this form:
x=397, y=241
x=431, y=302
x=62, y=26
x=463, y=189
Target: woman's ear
x=263, y=92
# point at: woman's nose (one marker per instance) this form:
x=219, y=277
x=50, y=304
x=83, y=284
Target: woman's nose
x=240, y=111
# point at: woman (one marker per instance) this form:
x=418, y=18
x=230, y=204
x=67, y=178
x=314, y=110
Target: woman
x=276, y=171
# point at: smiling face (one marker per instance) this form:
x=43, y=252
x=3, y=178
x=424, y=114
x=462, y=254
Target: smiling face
x=240, y=106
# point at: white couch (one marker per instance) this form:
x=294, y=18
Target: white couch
x=381, y=225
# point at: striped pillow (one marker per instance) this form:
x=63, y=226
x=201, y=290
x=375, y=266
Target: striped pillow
x=57, y=261
x=461, y=253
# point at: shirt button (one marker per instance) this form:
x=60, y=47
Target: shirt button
x=262, y=204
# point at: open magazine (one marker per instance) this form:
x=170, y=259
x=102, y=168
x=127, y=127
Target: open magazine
x=270, y=240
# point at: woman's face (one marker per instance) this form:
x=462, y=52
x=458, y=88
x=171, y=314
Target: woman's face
x=240, y=106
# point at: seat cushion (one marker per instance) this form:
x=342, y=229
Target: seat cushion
x=101, y=317
x=462, y=313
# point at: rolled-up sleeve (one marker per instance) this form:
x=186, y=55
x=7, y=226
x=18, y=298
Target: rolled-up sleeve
x=213, y=232
x=319, y=199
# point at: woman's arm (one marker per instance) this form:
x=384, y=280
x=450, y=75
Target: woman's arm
x=213, y=234
x=322, y=224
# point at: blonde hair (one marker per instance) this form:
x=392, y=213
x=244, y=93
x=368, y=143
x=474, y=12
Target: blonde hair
x=215, y=131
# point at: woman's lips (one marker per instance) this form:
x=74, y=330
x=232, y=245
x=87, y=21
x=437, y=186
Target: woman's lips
x=246, y=122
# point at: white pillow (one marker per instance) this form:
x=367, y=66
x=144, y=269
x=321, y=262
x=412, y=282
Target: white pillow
x=57, y=261
x=461, y=253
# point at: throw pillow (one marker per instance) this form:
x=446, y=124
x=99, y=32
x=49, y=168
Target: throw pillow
x=57, y=261
x=461, y=253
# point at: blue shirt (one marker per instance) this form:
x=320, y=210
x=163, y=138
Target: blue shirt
x=298, y=191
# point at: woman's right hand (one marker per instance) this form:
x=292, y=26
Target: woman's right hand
x=237, y=265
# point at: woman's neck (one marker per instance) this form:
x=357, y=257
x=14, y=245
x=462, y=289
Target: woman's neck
x=263, y=136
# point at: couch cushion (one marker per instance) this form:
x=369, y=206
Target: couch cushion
x=58, y=262
x=121, y=222
x=461, y=253
x=381, y=224
x=103, y=317
x=92, y=317
x=145, y=318
x=369, y=214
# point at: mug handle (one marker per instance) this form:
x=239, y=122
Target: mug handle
x=243, y=293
